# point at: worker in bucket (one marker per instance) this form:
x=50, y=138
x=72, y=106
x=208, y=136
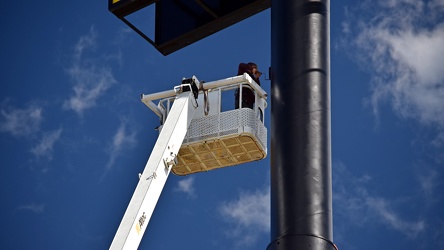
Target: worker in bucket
x=247, y=93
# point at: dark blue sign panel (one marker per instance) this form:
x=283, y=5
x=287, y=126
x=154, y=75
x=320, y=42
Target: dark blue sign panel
x=182, y=22
x=122, y=8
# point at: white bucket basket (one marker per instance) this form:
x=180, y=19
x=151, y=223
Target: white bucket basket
x=227, y=139
x=221, y=138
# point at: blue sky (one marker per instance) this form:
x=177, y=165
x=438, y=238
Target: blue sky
x=74, y=134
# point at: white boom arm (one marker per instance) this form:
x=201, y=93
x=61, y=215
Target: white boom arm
x=154, y=176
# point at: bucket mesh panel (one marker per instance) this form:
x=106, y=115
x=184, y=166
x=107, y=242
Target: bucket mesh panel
x=226, y=139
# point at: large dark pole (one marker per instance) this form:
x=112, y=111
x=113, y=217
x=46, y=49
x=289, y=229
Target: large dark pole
x=301, y=196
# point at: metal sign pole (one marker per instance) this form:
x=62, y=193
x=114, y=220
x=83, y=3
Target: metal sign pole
x=301, y=195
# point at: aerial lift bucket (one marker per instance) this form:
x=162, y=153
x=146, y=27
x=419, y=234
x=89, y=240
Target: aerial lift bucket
x=215, y=138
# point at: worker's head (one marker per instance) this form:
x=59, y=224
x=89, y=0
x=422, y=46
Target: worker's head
x=253, y=67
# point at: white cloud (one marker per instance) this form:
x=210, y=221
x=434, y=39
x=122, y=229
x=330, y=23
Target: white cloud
x=45, y=147
x=383, y=210
x=429, y=182
x=439, y=140
x=84, y=43
x=395, y=3
x=436, y=4
x=250, y=216
x=421, y=52
x=187, y=186
x=353, y=200
x=122, y=140
x=33, y=207
x=90, y=77
x=21, y=122
x=402, y=45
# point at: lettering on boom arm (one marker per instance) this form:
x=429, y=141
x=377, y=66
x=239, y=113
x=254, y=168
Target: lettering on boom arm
x=141, y=222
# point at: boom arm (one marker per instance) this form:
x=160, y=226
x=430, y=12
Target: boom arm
x=163, y=157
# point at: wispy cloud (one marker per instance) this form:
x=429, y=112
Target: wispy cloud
x=355, y=201
x=37, y=208
x=122, y=140
x=249, y=216
x=90, y=76
x=429, y=183
x=437, y=5
x=21, y=122
x=187, y=186
x=45, y=147
x=400, y=42
x=382, y=208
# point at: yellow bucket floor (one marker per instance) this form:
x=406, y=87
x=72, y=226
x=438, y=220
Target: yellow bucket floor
x=218, y=153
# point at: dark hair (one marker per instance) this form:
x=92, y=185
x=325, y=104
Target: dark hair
x=252, y=64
